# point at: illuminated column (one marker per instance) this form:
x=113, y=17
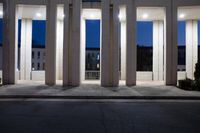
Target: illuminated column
x=131, y=55
x=71, y=49
x=83, y=45
x=158, y=46
x=9, y=42
x=50, y=66
x=26, y=46
x=123, y=50
x=110, y=44
x=59, y=50
x=191, y=47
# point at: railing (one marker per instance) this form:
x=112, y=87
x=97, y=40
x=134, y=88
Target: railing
x=94, y=75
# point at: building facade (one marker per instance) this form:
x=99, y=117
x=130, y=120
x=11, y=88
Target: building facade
x=65, y=39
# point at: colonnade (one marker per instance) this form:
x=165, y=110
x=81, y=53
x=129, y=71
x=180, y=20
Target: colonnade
x=164, y=42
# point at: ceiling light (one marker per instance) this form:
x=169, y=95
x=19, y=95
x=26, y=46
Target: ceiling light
x=145, y=16
x=38, y=15
x=182, y=15
x=91, y=15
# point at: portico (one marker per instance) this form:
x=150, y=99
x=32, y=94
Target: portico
x=65, y=40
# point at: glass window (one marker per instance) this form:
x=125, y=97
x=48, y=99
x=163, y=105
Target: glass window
x=38, y=67
x=38, y=54
x=33, y=54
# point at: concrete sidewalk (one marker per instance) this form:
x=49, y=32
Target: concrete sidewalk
x=92, y=91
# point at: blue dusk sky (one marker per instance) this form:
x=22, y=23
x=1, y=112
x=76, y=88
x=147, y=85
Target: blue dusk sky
x=144, y=33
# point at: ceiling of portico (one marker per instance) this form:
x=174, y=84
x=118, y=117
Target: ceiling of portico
x=38, y=12
x=150, y=13
x=188, y=13
x=91, y=14
x=35, y=12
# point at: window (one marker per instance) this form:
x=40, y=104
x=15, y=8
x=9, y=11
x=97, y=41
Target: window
x=98, y=57
x=38, y=66
x=33, y=54
x=38, y=54
x=33, y=66
x=92, y=55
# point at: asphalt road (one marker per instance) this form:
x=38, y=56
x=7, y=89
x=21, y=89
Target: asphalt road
x=99, y=117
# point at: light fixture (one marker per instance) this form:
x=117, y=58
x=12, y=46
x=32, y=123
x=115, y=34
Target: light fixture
x=1, y=13
x=182, y=15
x=145, y=16
x=38, y=15
x=91, y=15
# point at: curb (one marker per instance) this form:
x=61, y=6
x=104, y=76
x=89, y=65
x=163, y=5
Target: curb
x=101, y=97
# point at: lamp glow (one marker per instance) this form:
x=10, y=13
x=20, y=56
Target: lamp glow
x=145, y=16
x=38, y=15
x=182, y=15
x=91, y=15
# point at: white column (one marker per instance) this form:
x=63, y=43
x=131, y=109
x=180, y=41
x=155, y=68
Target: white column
x=131, y=53
x=158, y=50
x=10, y=42
x=83, y=47
x=191, y=47
x=110, y=44
x=71, y=50
x=59, y=50
x=123, y=50
x=26, y=46
x=50, y=58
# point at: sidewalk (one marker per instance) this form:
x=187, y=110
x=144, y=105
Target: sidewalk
x=93, y=91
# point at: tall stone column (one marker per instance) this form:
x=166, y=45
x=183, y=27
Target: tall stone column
x=158, y=50
x=83, y=47
x=123, y=50
x=59, y=50
x=10, y=23
x=71, y=49
x=191, y=47
x=170, y=45
x=131, y=53
x=110, y=44
x=26, y=46
x=50, y=58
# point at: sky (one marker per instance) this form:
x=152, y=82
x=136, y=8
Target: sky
x=144, y=33
x=181, y=33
